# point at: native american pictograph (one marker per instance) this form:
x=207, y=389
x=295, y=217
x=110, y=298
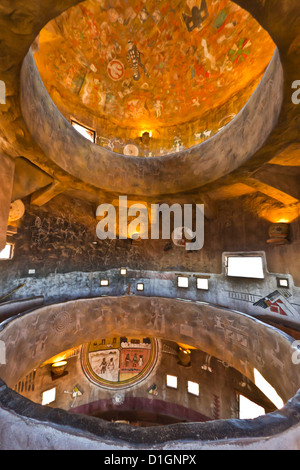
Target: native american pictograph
x=277, y=302
x=167, y=67
x=134, y=59
x=119, y=362
x=198, y=15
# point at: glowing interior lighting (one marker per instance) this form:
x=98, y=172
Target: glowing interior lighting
x=84, y=131
x=49, y=396
x=59, y=364
x=146, y=132
x=123, y=271
x=245, y=266
x=267, y=389
x=7, y=252
x=104, y=282
x=282, y=221
x=140, y=287
x=185, y=351
x=248, y=409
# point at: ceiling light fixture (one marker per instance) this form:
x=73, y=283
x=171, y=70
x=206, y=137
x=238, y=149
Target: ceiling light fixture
x=58, y=369
x=184, y=356
x=145, y=137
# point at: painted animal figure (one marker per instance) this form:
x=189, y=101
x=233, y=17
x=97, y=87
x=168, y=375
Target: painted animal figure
x=134, y=59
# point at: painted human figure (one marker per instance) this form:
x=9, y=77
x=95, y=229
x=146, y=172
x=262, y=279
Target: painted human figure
x=198, y=16
x=135, y=359
x=134, y=59
x=103, y=366
x=111, y=365
x=157, y=108
x=127, y=361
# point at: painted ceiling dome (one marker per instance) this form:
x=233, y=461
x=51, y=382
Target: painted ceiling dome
x=177, y=70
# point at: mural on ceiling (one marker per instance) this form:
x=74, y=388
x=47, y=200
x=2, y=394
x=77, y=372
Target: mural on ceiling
x=119, y=362
x=179, y=69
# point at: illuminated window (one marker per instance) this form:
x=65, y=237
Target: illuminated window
x=140, y=286
x=183, y=281
x=193, y=388
x=202, y=284
x=171, y=381
x=84, y=131
x=49, y=396
x=123, y=271
x=245, y=266
x=104, y=282
x=281, y=282
x=248, y=409
x=267, y=389
x=7, y=252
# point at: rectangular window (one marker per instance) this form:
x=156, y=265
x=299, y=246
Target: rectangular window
x=267, y=389
x=84, y=131
x=7, y=252
x=48, y=396
x=183, y=281
x=123, y=271
x=140, y=287
x=172, y=381
x=202, y=284
x=245, y=266
x=104, y=282
x=248, y=409
x=281, y=282
x=193, y=388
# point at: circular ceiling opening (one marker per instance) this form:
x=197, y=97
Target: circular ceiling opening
x=152, y=78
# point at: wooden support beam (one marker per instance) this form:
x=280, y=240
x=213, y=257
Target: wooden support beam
x=271, y=191
x=284, y=179
x=44, y=195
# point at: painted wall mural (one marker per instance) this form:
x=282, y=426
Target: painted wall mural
x=178, y=69
x=117, y=362
x=277, y=302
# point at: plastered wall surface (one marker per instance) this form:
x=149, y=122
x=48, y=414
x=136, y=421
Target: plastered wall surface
x=219, y=386
x=266, y=131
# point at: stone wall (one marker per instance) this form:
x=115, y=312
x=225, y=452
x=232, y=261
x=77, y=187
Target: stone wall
x=64, y=233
